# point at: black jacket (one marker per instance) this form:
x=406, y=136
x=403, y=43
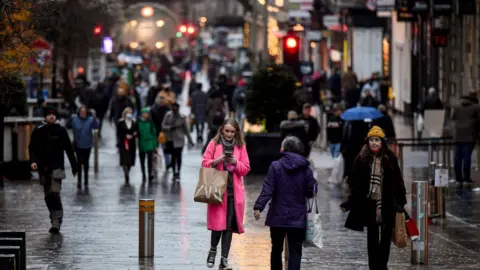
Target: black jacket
x=47, y=146
x=386, y=123
x=158, y=113
x=296, y=128
x=362, y=210
x=334, y=129
x=313, y=127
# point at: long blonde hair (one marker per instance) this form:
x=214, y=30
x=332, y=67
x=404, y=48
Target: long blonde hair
x=239, y=140
x=125, y=111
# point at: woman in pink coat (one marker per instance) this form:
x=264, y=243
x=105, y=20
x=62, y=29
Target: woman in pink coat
x=227, y=151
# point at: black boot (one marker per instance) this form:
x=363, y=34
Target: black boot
x=223, y=263
x=211, y=258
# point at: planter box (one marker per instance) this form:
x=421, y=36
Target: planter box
x=262, y=148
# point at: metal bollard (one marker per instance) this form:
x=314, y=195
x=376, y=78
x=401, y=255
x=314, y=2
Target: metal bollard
x=430, y=151
x=439, y=193
x=419, y=248
x=96, y=142
x=146, y=227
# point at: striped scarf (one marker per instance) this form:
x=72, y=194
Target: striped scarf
x=375, y=191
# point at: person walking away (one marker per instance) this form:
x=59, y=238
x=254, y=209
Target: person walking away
x=433, y=101
x=386, y=124
x=83, y=126
x=350, y=89
x=288, y=183
x=158, y=112
x=377, y=193
x=466, y=119
x=335, y=85
x=168, y=95
x=142, y=92
x=127, y=131
x=119, y=103
x=198, y=107
x=49, y=141
x=313, y=128
x=239, y=100
x=373, y=86
x=368, y=99
x=335, y=130
x=97, y=103
x=135, y=99
x=216, y=114
x=294, y=127
x=147, y=143
x=175, y=126
x=227, y=152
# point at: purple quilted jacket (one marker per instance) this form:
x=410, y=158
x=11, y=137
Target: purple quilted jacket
x=288, y=183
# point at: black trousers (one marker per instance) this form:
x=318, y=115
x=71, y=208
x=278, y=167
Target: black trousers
x=199, y=127
x=295, y=241
x=51, y=189
x=379, y=238
x=149, y=156
x=226, y=235
x=177, y=159
x=83, y=156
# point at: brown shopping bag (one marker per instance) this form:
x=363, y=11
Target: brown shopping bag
x=212, y=185
x=400, y=237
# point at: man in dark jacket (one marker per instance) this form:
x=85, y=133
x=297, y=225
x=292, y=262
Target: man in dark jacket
x=288, y=182
x=48, y=143
x=433, y=101
x=294, y=127
x=198, y=104
x=466, y=117
x=334, y=131
x=313, y=128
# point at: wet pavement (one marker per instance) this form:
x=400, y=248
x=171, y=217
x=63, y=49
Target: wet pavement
x=100, y=229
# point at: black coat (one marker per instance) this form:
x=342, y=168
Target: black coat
x=118, y=106
x=386, y=124
x=362, y=210
x=47, y=146
x=158, y=113
x=127, y=156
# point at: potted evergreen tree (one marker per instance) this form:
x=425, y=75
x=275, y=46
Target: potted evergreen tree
x=269, y=97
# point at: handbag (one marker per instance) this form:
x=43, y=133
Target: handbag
x=59, y=174
x=314, y=232
x=211, y=186
x=162, y=138
x=400, y=237
x=412, y=229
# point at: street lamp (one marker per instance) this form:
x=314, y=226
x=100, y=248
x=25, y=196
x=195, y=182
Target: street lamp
x=147, y=11
x=133, y=23
x=159, y=45
x=160, y=23
x=134, y=45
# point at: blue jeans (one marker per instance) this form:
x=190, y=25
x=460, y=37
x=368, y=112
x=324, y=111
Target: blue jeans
x=463, y=162
x=334, y=149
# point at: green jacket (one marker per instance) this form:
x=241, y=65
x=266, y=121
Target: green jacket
x=147, y=136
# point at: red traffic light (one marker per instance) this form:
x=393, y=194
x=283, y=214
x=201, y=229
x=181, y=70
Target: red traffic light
x=97, y=30
x=191, y=30
x=183, y=28
x=291, y=43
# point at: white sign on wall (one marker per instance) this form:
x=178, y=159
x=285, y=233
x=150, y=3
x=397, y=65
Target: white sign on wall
x=367, y=51
x=96, y=67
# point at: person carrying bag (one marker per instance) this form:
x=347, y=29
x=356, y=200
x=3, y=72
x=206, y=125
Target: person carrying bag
x=225, y=160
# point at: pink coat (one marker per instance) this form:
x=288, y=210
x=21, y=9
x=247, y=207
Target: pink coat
x=217, y=214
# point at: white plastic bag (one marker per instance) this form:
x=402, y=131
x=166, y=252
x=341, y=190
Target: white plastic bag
x=314, y=233
x=337, y=171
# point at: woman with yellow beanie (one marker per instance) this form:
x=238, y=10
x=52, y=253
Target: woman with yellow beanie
x=377, y=193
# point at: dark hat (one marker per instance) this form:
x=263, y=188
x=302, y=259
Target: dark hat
x=50, y=110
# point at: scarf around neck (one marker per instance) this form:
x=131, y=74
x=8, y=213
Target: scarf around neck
x=375, y=190
x=226, y=142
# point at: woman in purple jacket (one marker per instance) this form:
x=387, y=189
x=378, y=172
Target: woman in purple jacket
x=288, y=183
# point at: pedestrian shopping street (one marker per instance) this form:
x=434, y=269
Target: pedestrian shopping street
x=100, y=228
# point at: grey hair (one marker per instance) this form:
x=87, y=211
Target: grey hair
x=293, y=144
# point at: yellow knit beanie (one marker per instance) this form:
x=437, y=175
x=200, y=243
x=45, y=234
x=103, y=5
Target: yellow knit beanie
x=376, y=131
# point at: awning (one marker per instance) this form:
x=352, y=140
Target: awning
x=229, y=21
